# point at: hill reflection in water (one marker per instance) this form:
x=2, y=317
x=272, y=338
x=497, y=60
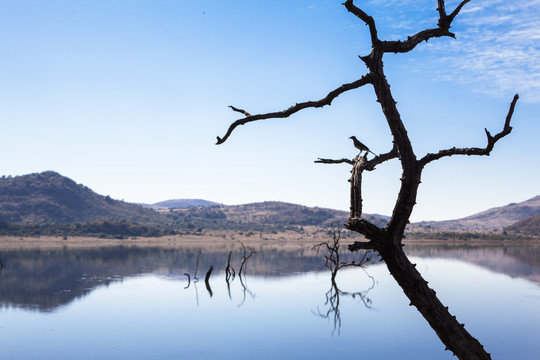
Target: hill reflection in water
x=135, y=303
x=45, y=279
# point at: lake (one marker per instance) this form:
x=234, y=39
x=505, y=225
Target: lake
x=128, y=302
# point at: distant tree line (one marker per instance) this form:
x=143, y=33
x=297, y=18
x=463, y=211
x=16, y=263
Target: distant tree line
x=117, y=229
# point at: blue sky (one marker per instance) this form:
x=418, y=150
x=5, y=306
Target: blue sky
x=127, y=97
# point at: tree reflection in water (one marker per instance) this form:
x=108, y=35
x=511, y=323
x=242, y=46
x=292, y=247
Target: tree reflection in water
x=334, y=264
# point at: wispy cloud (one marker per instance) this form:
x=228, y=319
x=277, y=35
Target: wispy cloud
x=498, y=49
x=498, y=42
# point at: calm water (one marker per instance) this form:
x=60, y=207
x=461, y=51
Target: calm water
x=136, y=303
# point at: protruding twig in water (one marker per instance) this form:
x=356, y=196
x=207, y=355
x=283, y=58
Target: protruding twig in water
x=244, y=259
x=333, y=262
x=188, y=280
x=207, y=280
x=229, y=270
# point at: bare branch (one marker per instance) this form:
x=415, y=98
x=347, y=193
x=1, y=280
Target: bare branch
x=491, y=140
x=442, y=29
x=333, y=262
x=366, y=228
x=510, y=113
x=244, y=259
x=362, y=245
x=230, y=273
x=392, y=154
x=365, y=18
x=327, y=100
x=457, y=10
x=240, y=110
x=331, y=161
x=412, y=41
x=370, y=165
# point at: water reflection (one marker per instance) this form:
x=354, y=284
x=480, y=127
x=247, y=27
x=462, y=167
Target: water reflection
x=46, y=279
x=129, y=302
x=333, y=296
x=333, y=261
x=517, y=261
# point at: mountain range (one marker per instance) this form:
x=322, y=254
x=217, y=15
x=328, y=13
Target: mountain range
x=41, y=200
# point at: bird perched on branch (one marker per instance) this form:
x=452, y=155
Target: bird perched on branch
x=360, y=146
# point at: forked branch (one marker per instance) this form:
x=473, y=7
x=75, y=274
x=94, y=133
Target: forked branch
x=491, y=140
x=442, y=29
x=327, y=100
x=245, y=258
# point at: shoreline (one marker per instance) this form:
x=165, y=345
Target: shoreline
x=227, y=239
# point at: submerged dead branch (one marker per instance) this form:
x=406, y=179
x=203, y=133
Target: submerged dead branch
x=332, y=258
x=229, y=270
x=230, y=275
x=245, y=258
x=207, y=280
x=188, y=280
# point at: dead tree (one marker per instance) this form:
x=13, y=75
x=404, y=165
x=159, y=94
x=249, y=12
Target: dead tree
x=332, y=257
x=387, y=241
x=245, y=259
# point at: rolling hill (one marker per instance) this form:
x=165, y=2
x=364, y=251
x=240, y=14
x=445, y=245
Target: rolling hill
x=50, y=198
x=271, y=215
x=528, y=226
x=489, y=220
x=49, y=202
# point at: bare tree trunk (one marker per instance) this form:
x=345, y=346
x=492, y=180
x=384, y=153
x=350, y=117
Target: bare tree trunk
x=356, y=186
x=448, y=329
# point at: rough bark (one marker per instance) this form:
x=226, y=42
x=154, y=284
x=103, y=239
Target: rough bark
x=356, y=186
x=452, y=333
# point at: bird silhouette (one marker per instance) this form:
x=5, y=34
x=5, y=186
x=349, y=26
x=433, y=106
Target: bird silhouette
x=360, y=146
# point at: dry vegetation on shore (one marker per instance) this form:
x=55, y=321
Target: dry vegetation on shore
x=288, y=238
